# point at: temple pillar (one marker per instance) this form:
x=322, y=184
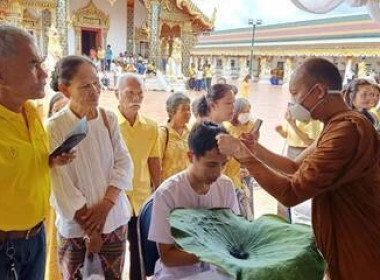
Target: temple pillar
x=264, y=77
x=288, y=69
x=188, y=42
x=130, y=28
x=62, y=7
x=363, y=71
x=154, y=40
x=224, y=65
x=348, y=73
x=14, y=13
x=243, y=66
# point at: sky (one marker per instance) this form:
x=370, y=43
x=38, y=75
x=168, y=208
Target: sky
x=235, y=13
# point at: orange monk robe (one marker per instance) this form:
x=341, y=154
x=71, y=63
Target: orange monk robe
x=343, y=178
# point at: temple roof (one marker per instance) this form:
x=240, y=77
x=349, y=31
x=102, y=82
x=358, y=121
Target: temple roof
x=342, y=35
x=196, y=14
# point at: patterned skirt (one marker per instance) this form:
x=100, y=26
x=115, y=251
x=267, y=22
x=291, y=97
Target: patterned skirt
x=72, y=253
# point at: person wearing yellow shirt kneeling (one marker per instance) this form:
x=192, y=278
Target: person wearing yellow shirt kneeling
x=174, y=145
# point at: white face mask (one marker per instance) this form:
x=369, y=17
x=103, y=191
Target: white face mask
x=299, y=112
x=243, y=118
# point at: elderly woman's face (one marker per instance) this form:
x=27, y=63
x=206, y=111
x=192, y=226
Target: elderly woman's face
x=131, y=96
x=84, y=88
x=183, y=113
x=364, y=97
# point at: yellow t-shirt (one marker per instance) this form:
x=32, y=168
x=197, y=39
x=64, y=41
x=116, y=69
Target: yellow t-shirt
x=376, y=114
x=193, y=73
x=244, y=90
x=174, y=151
x=312, y=129
x=142, y=140
x=208, y=72
x=232, y=168
x=24, y=169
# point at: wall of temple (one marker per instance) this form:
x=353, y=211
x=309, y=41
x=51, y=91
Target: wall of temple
x=117, y=33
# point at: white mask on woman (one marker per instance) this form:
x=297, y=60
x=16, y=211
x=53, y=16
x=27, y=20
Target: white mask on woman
x=243, y=118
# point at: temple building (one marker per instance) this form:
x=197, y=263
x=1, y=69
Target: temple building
x=351, y=42
x=157, y=29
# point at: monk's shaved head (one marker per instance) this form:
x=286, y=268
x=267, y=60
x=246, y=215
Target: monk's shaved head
x=317, y=70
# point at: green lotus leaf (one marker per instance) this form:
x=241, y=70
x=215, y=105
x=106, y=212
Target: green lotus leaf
x=267, y=248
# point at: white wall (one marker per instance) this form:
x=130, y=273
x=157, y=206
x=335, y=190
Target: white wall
x=117, y=34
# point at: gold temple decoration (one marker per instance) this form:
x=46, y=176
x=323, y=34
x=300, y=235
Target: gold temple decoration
x=90, y=16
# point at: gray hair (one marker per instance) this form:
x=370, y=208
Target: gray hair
x=176, y=99
x=240, y=103
x=125, y=78
x=10, y=37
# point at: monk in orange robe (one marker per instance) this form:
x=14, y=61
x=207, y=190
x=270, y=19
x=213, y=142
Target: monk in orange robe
x=340, y=173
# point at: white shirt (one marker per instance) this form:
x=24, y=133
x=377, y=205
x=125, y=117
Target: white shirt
x=176, y=192
x=199, y=75
x=98, y=165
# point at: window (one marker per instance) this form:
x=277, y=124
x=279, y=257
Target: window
x=219, y=63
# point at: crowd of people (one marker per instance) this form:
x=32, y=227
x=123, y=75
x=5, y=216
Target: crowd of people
x=98, y=189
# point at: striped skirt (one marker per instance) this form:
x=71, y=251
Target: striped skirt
x=71, y=253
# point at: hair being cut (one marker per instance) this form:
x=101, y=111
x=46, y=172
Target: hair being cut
x=202, y=137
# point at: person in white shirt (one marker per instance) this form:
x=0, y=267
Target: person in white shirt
x=89, y=194
x=201, y=186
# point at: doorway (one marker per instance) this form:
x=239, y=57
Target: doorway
x=90, y=39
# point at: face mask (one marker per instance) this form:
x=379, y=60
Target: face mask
x=243, y=118
x=299, y=112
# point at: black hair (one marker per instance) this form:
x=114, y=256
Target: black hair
x=202, y=137
x=216, y=92
x=65, y=70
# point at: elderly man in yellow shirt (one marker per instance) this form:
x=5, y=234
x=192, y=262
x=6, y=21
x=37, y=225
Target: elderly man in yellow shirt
x=141, y=135
x=24, y=158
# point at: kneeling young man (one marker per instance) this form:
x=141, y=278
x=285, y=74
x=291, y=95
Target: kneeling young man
x=201, y=186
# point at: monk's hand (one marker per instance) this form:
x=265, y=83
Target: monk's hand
x=250, y=140
x=231, y=146
x=95, y=217
x=62, y=159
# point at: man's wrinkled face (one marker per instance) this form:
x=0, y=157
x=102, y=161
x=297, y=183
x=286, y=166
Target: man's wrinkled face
x=131, y=96
x=22, y=75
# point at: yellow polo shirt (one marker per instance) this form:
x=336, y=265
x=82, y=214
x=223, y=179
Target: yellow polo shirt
x=232, y=168
x=312, y=129
x=174, y=151
x=24, y=169
x=142, y=140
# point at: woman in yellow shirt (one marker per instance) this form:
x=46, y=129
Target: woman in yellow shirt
x=245, y=87
x=174, y=135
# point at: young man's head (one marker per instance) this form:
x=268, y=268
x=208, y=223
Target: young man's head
x=207, y=162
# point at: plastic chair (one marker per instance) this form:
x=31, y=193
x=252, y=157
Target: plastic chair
x=147, y=249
